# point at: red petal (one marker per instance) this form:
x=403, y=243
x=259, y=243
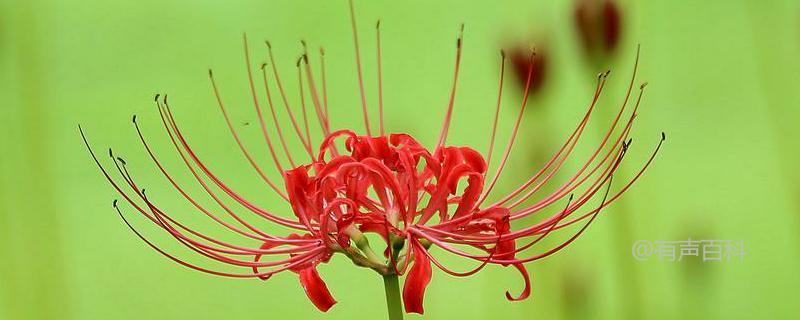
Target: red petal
x=316, y=290
x=417, y=280
x=525, y=292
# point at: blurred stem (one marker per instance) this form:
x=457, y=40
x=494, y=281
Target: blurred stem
x=392, y=288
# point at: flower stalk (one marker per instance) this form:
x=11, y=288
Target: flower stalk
x=393, y=303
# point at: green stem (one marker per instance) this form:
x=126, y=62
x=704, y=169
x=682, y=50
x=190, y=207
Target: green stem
x=393, y=304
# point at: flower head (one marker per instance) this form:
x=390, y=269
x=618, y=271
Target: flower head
x=413, y=198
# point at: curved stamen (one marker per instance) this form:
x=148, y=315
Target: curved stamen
x=163, y=220
x=275, y=117
x=297, y=262
x=622, y=190
x=513, y=131
x=171, y=126
x=571, y=141
x=257, y=106
x=364, y=110
x=183, y=193
x=324, y=83
x=497, y=109
x=312, y=88
x=566, y=188
x=380, y=74
x=239, y=141
x=449, y=113
x=284, y=97
x=192, y=201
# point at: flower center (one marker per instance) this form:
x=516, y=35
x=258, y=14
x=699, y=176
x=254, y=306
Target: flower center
x=383, y=185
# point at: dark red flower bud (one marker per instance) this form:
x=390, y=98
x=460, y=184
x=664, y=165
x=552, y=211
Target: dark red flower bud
x=523, y=61
x=599, y=24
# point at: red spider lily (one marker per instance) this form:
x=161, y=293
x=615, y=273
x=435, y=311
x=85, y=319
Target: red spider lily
x=414, y=198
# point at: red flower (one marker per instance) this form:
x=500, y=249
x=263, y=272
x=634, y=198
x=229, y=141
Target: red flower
x=413, y=198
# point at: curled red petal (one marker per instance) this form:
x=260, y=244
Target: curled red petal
x=525, y=292
x=315, y=289
x=417, y=280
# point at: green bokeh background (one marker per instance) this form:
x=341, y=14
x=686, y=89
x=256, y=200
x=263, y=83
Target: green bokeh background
x=723, y=85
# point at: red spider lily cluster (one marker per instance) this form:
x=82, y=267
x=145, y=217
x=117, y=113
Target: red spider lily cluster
x=413, y=198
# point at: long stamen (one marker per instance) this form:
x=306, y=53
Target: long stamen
x=164, y=221
x=497, y=109
x=303, y=100
x=622, y=190
x=537, y=228
x=566, y=188
x=312, y=87
x=210, y=253
x=319, y=108
x=566, y=147
x=514, y=131
x=258, y=106
x=449, y=114
x=358, y=68
x=239, y=141
x=324, y=84
x=183, y=192
x=380, y=75
x=571, y=239
x=621, y=138
x=171, y=126
x=306, y=143
x=275, y=121
x=209, y=271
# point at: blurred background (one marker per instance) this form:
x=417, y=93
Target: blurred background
x=722, y=84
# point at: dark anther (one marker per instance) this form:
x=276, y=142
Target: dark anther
x=121, y=161
x=134, y=118
x=378, y=24
x=663, y=136
x=210, y=73
x=263, y=65
x=156, y=97
x=269, y=45
x=502, y=53
x=114, y=203
x=642, y=86
x=165, y=99
x=110, y=153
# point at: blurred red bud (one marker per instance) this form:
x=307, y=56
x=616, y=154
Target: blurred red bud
x=599, y=24
x=520, y=58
